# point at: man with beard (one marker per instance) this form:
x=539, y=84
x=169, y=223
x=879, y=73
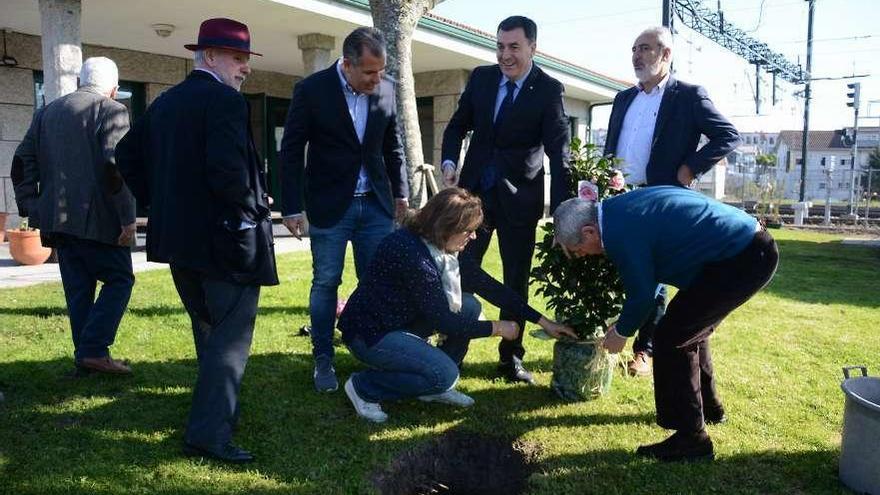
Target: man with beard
x=655, y=129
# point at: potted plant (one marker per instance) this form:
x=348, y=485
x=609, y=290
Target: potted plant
x=586, y=293
x=767, y=206
x=25, y=245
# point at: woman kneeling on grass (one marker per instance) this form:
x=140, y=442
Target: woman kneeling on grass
x=417, y=285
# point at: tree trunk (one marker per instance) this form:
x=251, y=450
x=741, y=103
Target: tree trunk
x=397, y=19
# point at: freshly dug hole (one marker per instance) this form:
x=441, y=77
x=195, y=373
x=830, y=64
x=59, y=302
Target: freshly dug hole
x=461, y=464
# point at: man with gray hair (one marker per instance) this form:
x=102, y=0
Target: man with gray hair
x=716, y=255
x=655, y=129
x=355, y=183
x=71, y=189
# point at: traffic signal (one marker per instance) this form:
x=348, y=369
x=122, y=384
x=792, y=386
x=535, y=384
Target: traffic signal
x=853, y=94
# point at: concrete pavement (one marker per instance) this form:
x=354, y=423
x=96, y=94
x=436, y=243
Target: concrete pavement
x=14, y=275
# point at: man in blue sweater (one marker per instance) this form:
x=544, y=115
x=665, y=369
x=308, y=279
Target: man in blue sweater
x=716, y=255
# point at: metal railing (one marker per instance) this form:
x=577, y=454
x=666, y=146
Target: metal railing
x=758, y=188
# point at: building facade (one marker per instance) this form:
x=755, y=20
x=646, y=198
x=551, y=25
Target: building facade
x=48, y=40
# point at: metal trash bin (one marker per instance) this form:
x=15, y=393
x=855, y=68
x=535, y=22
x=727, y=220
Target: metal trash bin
x=860, y=440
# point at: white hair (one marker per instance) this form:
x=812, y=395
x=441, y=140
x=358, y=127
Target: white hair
x=663, y=34
x=571, y=216
x=199, y=58
x=99, y=73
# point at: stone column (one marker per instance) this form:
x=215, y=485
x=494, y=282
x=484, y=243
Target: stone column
x=316, y=48
x=446, y=87
x=62, y=46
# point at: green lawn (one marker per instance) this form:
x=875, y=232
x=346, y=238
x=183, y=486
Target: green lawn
x=778, y=363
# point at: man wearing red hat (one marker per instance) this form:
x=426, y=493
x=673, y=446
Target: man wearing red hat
x=191, y=159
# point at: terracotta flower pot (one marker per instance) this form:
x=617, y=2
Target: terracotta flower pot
x=26, y=248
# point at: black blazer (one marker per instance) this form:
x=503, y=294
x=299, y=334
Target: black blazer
x=686, y=112
x=536, y=124
x=319, y=116
x=191, y=160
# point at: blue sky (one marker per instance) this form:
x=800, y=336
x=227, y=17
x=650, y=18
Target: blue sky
x=598, y=35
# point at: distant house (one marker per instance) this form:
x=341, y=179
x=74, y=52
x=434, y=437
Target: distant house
x=823, y=149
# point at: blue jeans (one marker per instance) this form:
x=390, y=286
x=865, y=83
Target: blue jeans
x=403, y=364
x=365, y=224
x=94, y=322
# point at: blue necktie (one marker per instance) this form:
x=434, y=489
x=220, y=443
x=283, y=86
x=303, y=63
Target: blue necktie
x=490, y=170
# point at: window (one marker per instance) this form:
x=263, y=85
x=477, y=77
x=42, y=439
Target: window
x=131, y=94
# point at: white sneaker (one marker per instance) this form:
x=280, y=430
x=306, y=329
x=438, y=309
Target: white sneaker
x=451, y=396
x=367, y=410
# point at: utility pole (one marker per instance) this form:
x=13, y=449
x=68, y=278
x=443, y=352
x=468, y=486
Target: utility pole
x=812, y=9
x=854, y=95
x=829, y=171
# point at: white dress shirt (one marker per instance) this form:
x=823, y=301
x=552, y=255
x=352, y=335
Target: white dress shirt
x=357, y=109
x=637, y=133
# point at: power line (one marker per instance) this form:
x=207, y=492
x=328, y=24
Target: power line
x=760, y=18
x=712, y=25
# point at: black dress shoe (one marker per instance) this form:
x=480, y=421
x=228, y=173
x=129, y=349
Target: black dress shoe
x=681, y=446
x=516, y=372
x=228, y=453
x=714, y=415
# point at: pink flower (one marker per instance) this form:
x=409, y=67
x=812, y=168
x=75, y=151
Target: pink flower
x=617, y=182
x=340, y=305
x=587, y=190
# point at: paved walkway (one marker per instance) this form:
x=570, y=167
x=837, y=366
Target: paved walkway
x=14, y=275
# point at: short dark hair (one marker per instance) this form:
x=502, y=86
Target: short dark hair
x=362, y=38
x=530, y=29
x=449, y=212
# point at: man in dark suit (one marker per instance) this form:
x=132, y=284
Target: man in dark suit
x=191, y=159
x=516, y=114
x=355, y=182
x=654, y=129
x=70, y=188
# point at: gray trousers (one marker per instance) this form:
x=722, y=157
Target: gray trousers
x=223, y=315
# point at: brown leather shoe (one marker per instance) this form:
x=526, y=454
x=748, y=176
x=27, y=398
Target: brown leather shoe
x=105, y=364
x=640, y=365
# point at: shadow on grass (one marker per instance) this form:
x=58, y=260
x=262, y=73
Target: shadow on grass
x=62, y=435
x=827, y=273
x=608, y=471
x=148, y=311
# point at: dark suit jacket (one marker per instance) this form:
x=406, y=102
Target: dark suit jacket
x=191, y=159
x=69, y=183
x=536, y=124
x=319, y=116
x=686, y=112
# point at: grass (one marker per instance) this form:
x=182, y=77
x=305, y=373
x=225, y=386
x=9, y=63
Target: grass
x=778, y=363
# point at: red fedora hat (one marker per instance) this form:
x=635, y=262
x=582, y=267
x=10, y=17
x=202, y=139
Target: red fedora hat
x=223, y=33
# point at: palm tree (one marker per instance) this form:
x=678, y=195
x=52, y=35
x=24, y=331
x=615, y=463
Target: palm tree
x=398, y=19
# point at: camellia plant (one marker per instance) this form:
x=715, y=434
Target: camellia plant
x=585, y=293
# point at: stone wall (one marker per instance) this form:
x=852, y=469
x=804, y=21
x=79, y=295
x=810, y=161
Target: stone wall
x=157, y=72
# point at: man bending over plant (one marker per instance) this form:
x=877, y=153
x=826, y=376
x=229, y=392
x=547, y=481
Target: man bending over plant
x=716, y=255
